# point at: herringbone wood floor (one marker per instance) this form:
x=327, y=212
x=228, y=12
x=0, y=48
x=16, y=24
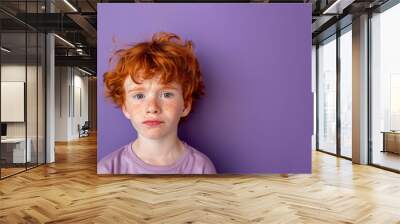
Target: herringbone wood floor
x=69, y=191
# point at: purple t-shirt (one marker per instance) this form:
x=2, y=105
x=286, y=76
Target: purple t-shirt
x=125, y=161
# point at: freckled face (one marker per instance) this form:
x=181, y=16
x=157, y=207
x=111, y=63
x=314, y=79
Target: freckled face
x=154, y=109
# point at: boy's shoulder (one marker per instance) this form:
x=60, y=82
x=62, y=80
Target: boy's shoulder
x=118, y=153
x=109, y=162
x=200, y=160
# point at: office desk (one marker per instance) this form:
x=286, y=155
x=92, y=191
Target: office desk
x=391, y=141
x=15, y=148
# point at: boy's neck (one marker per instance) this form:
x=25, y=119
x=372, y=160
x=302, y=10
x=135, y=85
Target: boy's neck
x=161, y=152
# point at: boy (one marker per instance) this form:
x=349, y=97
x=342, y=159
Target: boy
x=155, y=84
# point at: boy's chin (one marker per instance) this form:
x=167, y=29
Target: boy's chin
x=153, y=136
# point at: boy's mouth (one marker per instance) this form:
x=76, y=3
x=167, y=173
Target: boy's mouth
x=152, y=123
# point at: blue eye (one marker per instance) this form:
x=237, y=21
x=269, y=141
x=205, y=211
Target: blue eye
x=167, y=95
x=138, y=96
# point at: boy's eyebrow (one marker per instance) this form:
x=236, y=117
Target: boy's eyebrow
x=136, y=89
x=168, y=87
x=140, y=88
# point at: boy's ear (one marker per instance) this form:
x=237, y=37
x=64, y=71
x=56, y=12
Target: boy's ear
x=123, y=108
x=187, y=109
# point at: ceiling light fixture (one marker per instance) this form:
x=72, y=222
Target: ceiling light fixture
x=64, y=40
x=337, y=7
x=70, y=5
x=84, y=71
x=5, y=49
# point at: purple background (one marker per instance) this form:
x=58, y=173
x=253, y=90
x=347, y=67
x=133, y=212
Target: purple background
x=257, y=114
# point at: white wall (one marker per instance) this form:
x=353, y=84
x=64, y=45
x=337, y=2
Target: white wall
x=33, y=127
x=71, y=102
x=16, y=72
x=61, y=103
x=80, y=105
x=314, y=91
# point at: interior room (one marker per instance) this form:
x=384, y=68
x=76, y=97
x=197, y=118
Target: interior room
x=49, y=126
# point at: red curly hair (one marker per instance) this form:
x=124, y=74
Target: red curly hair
x=167, y=56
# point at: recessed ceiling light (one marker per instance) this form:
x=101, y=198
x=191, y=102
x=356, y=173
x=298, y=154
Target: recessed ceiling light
x=84, y=71
x=70, y=5
x=337, y=7
x=5, y=49
x=64, y=40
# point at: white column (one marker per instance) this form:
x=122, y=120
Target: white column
x=50, y=93
x=360, y=90
x=50, y=110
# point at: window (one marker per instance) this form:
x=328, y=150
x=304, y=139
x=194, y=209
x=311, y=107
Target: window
x=346, y=93
x=327, y=95
x=385, y=88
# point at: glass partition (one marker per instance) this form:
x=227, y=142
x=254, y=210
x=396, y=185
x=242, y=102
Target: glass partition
x=32, y=96
x=385, y=89
x=327, y=95
x=13, y=104
x=41, y=86
x=22, y=88
x=346, y=93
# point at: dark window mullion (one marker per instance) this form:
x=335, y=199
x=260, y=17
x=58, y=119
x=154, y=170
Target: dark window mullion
x=369, y=90
x=37, y=90
x=338, y=78
x=317, y=96
x=26, y=87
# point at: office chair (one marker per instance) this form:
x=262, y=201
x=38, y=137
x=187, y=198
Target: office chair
x=84, y=130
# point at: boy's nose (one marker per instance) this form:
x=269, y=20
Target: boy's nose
x=152, y=106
